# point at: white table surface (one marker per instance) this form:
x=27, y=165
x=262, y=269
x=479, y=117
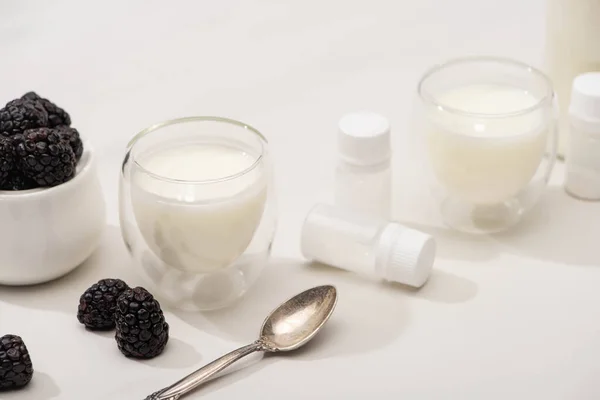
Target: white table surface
x=513, y=316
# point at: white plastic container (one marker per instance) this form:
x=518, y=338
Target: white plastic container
x=367, y=245
x=572, y=48
x=583, y=155
x=363, y=174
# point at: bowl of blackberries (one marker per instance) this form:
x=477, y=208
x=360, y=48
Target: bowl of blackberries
x=51, y=203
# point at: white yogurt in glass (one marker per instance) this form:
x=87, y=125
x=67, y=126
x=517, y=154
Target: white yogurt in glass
x=198, y=205
x=483, y=148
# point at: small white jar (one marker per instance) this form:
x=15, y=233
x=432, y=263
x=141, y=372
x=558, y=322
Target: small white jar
x=583, y=150
x=363, y=174
x=368, y=246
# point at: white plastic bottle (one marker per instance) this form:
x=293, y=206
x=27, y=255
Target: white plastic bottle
x=363, y=174
x=572, y=48
x=583, y=156
x=367, y=245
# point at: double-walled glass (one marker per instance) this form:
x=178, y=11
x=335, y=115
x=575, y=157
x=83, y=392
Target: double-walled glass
x=487, y=129
x=197, y=209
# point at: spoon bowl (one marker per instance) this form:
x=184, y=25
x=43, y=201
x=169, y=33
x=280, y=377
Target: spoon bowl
x=299, y=319
x=290, y=326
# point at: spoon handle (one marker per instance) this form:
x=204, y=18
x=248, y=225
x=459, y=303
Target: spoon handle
x=197, y=378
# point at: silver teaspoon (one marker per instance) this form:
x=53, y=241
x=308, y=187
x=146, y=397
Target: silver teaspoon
x=288, y=327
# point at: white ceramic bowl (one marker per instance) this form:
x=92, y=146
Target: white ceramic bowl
x=46, y=233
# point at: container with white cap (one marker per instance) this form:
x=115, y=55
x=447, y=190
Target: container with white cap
x=363, y=175
x=367, y=245
x=583, y=150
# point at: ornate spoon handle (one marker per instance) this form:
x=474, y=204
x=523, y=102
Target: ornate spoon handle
x=197, y=378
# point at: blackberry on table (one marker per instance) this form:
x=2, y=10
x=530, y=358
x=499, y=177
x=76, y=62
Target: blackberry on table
x=97, y=305
x=142, y=331
x=71, y=136
x=22, y=114
x=44, y=157
x=56, y=115
x=16, y=369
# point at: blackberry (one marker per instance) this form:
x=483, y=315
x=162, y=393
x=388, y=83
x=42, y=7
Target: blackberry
x=16, y=369
x=22, y=114
x=56, y=115
x=98, y=303
x=71, y=136
x=17, y=181
x=7, y=160
x=142, y=331
x=44, y=157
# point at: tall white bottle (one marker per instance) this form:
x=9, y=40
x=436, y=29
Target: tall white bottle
x=572, y=48
x=363, y=175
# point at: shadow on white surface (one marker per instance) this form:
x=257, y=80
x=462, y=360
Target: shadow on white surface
x=41, y=387
x=354, y=318
x=108, y=334
x=140, y=389
x=252, y=364
x=443, y=287
x=178, y=354
x=454, y=245
x=560, y=229
x=132, y=390
x=110, y=260
x=243, y=369
x=358, y=325
x=369, y=315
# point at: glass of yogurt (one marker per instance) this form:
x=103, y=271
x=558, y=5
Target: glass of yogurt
x=488, y=131
x=197, y=209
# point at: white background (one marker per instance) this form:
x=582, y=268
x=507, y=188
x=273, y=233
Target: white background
x=509, y=316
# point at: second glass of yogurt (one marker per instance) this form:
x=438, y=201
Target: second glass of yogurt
x=197, y=209
x=488, y=134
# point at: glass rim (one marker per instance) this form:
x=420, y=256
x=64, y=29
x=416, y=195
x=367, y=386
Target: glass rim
x=429, y=98
x=176, y=121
